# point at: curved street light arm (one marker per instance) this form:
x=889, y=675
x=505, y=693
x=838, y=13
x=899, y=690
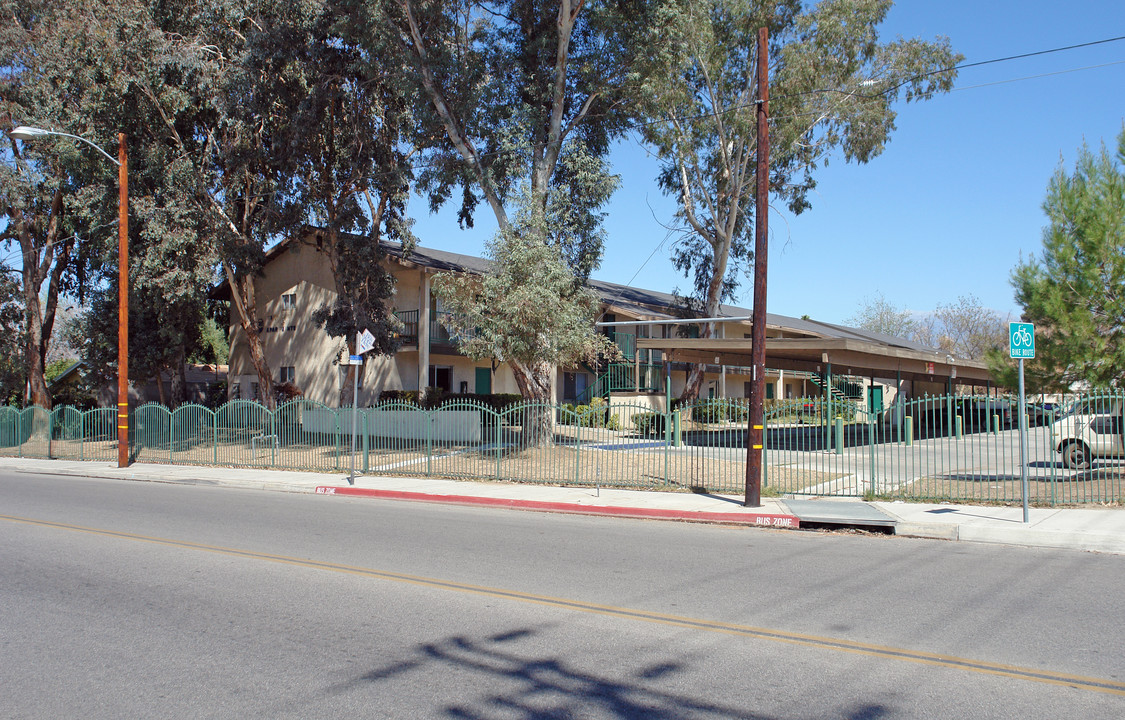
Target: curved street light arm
x=26, y=133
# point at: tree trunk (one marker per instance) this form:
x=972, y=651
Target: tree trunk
x=261, y=367
x=44, y=258
x=242, y=294
x=162, y=396
x=33, y=343
x=538, y=421
x=179, y=378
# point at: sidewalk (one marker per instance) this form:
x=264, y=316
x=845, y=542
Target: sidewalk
x=1101, y=530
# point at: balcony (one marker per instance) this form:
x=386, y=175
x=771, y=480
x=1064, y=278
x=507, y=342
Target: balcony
x=441, y=339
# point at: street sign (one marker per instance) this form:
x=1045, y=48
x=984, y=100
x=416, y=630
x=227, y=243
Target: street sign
x=355, y=359
x=1021, y=340
x=365, y=342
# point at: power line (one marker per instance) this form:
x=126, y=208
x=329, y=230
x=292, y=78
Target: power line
x=870, y=96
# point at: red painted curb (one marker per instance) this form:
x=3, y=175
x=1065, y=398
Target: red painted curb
x=770, y=520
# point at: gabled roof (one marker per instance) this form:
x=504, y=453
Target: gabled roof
x=648, y=304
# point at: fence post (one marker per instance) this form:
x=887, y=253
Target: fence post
x=428, y=426
x=577, y=449
x=497, y=422
x=839, y=435
x=909, y=423
x=273, y=432
x=958, y=425
x=366, y=441
x=949, y=415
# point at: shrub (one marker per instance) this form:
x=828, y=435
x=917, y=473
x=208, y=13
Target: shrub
x=738, y=411
x=649, y=423
x=710, y=411
x=406, y=396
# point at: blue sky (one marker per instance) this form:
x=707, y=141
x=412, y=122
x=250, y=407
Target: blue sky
x=949, y=206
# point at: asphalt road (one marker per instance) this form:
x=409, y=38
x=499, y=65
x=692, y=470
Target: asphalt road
x=126, y=599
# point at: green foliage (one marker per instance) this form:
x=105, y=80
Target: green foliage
x=523, y=92
x=495, y=401
x=216, y=395
x=649, y=423
x=56, y=368
x=710, y=411
x=530, y=310
x=213, y=347
x=832, y=88
x=1072, y=291
x=13, y=373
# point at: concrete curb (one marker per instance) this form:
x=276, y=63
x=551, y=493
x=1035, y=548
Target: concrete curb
x=756, y=519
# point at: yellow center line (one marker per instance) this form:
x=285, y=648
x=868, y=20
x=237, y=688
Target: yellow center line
x=950, y=661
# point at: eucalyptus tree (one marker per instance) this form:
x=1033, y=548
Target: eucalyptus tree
x=833, y=85
x=277, y=120
x=53, y=69
x=529, y=309
x=351, y=166
x=516, y=94
x=13, y=374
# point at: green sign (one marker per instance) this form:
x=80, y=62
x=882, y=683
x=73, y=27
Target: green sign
x=1021, y=340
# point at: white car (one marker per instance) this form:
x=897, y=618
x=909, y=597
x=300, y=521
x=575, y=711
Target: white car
x=1090, y=429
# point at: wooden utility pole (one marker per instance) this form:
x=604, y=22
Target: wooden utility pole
x=123, y=304
x=755, y=435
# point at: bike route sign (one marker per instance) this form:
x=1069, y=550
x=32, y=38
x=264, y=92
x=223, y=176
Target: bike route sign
x=1021, y=340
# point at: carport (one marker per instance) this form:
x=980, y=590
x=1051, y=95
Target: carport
x=826, y=355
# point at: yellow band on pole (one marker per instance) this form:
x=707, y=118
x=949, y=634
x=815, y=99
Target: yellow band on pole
x=757, y=447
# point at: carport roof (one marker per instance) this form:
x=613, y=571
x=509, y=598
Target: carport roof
x=846, y=355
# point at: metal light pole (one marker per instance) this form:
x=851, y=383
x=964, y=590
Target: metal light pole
x=26, y=133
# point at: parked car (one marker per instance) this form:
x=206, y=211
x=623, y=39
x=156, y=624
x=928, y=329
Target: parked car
x=1090, y=429
x=1043, y=413
x=977, y=413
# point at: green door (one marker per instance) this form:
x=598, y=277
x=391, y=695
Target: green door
x=483, y=381
x=875, y=399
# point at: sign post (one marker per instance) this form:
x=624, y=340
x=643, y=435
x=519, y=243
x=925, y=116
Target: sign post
x=364, y=343
x=1021, y=345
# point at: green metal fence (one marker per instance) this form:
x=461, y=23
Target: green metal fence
x=947, y=448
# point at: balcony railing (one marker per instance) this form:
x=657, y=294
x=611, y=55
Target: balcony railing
x=439, y=335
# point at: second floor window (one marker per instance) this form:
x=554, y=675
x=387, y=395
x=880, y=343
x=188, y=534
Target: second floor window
x=289, y=301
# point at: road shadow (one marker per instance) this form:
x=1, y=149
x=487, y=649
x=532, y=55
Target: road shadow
x=514, y=684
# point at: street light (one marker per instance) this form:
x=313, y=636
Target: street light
x=26, y=133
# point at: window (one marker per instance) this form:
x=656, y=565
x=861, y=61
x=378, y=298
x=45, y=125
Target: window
x=287, y=374
x=289, y=301
x=254, y=390
x=441, y=377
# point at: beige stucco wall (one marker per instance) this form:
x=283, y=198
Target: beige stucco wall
x=291, y=338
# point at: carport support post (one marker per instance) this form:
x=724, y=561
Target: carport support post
x=828, y=415
x=949, y=407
